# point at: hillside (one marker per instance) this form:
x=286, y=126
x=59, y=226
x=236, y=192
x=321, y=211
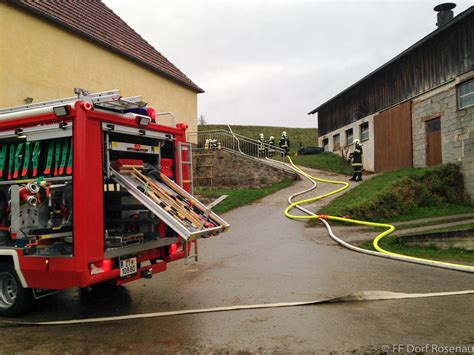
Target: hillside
x=307, y=136
x=404, y=194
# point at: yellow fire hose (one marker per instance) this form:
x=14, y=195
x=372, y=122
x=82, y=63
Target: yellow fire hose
x=352, y=297
x=380, y=251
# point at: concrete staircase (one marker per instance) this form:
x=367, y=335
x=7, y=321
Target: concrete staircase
x=224, y=159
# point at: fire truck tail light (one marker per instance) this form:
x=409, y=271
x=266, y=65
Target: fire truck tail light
x=173, y=248
x=101, y=266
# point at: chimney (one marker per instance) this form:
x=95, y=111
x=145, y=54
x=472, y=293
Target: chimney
x=445, y=13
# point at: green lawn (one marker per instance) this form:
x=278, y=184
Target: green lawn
x=391, y=243
x=241, y=197
x=404, y=195
x=307, y=136
x=368, y=190
x=324, y=161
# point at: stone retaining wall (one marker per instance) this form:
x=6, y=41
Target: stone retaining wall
x=232, y=170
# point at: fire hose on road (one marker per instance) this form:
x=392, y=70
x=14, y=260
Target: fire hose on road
x=389, y=228
x=352, y=297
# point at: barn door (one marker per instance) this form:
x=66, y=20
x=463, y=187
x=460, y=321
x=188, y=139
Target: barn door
x=433, y=142
x=392, y=135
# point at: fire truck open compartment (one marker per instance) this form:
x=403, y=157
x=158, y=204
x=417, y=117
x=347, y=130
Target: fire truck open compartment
x=128, y=224
x=36, y=191
x=91, y=195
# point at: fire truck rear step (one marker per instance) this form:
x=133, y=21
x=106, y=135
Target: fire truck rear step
x=136, y=248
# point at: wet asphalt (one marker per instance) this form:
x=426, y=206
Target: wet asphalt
x=264, y=258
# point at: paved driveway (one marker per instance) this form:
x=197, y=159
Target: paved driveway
x=263, y=258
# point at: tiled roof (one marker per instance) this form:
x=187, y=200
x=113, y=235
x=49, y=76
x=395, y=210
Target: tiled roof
x=94, y=20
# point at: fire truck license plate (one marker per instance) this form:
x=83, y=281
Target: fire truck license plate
x=128, y=267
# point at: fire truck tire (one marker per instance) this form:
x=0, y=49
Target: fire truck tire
x=14, y=299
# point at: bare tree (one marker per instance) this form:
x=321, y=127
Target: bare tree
x=202, y=120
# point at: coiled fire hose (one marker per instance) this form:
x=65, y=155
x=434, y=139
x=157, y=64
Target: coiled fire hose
x=389, y=228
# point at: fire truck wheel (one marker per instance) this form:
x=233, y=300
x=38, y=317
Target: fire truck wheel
x=14, y=299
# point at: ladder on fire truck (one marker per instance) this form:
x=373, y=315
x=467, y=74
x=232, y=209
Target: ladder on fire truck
x=106, y=100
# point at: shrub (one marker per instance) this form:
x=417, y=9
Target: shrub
x=397, y=195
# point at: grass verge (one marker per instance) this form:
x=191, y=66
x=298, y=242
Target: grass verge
x=458, y=228
x=241, y=197
x=325, y=161
x=432, y=223
x=391, y=244
x=404, y=195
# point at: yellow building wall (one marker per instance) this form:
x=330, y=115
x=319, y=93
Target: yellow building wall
x=45, y=62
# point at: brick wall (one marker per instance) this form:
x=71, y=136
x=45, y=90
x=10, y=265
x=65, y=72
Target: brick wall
x=232, y=170
x=457, y=132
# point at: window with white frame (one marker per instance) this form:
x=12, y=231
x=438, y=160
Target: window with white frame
x=364, y=131
x=466, y=94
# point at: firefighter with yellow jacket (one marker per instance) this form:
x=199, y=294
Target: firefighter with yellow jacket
x=356, y=159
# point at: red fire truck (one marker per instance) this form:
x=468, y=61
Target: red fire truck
x=92, y=190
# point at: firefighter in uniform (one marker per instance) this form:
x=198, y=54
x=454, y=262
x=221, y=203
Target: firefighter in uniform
x=285, y=142
x=261, y=146
x=271, y=144
x=356, y=159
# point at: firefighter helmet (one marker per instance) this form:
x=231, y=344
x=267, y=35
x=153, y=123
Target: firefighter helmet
x=356, y=141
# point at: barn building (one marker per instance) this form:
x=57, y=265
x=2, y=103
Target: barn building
x=47, y=48
x=417, y=109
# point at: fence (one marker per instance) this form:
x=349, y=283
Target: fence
x=237, y=143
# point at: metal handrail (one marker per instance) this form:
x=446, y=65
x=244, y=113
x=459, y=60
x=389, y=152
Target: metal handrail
x=238, y=143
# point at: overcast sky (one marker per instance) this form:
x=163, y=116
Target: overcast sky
x=271, y=62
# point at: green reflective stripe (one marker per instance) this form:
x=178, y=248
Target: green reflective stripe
x=49, y=158
x=10, y=160
x=57, y=156
x=356, y=164
x=69, y=161
x=64, y=156
x=3, y=158
x=17, y=159
x=356, y=150
x=35, y=158
x=26, y=161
